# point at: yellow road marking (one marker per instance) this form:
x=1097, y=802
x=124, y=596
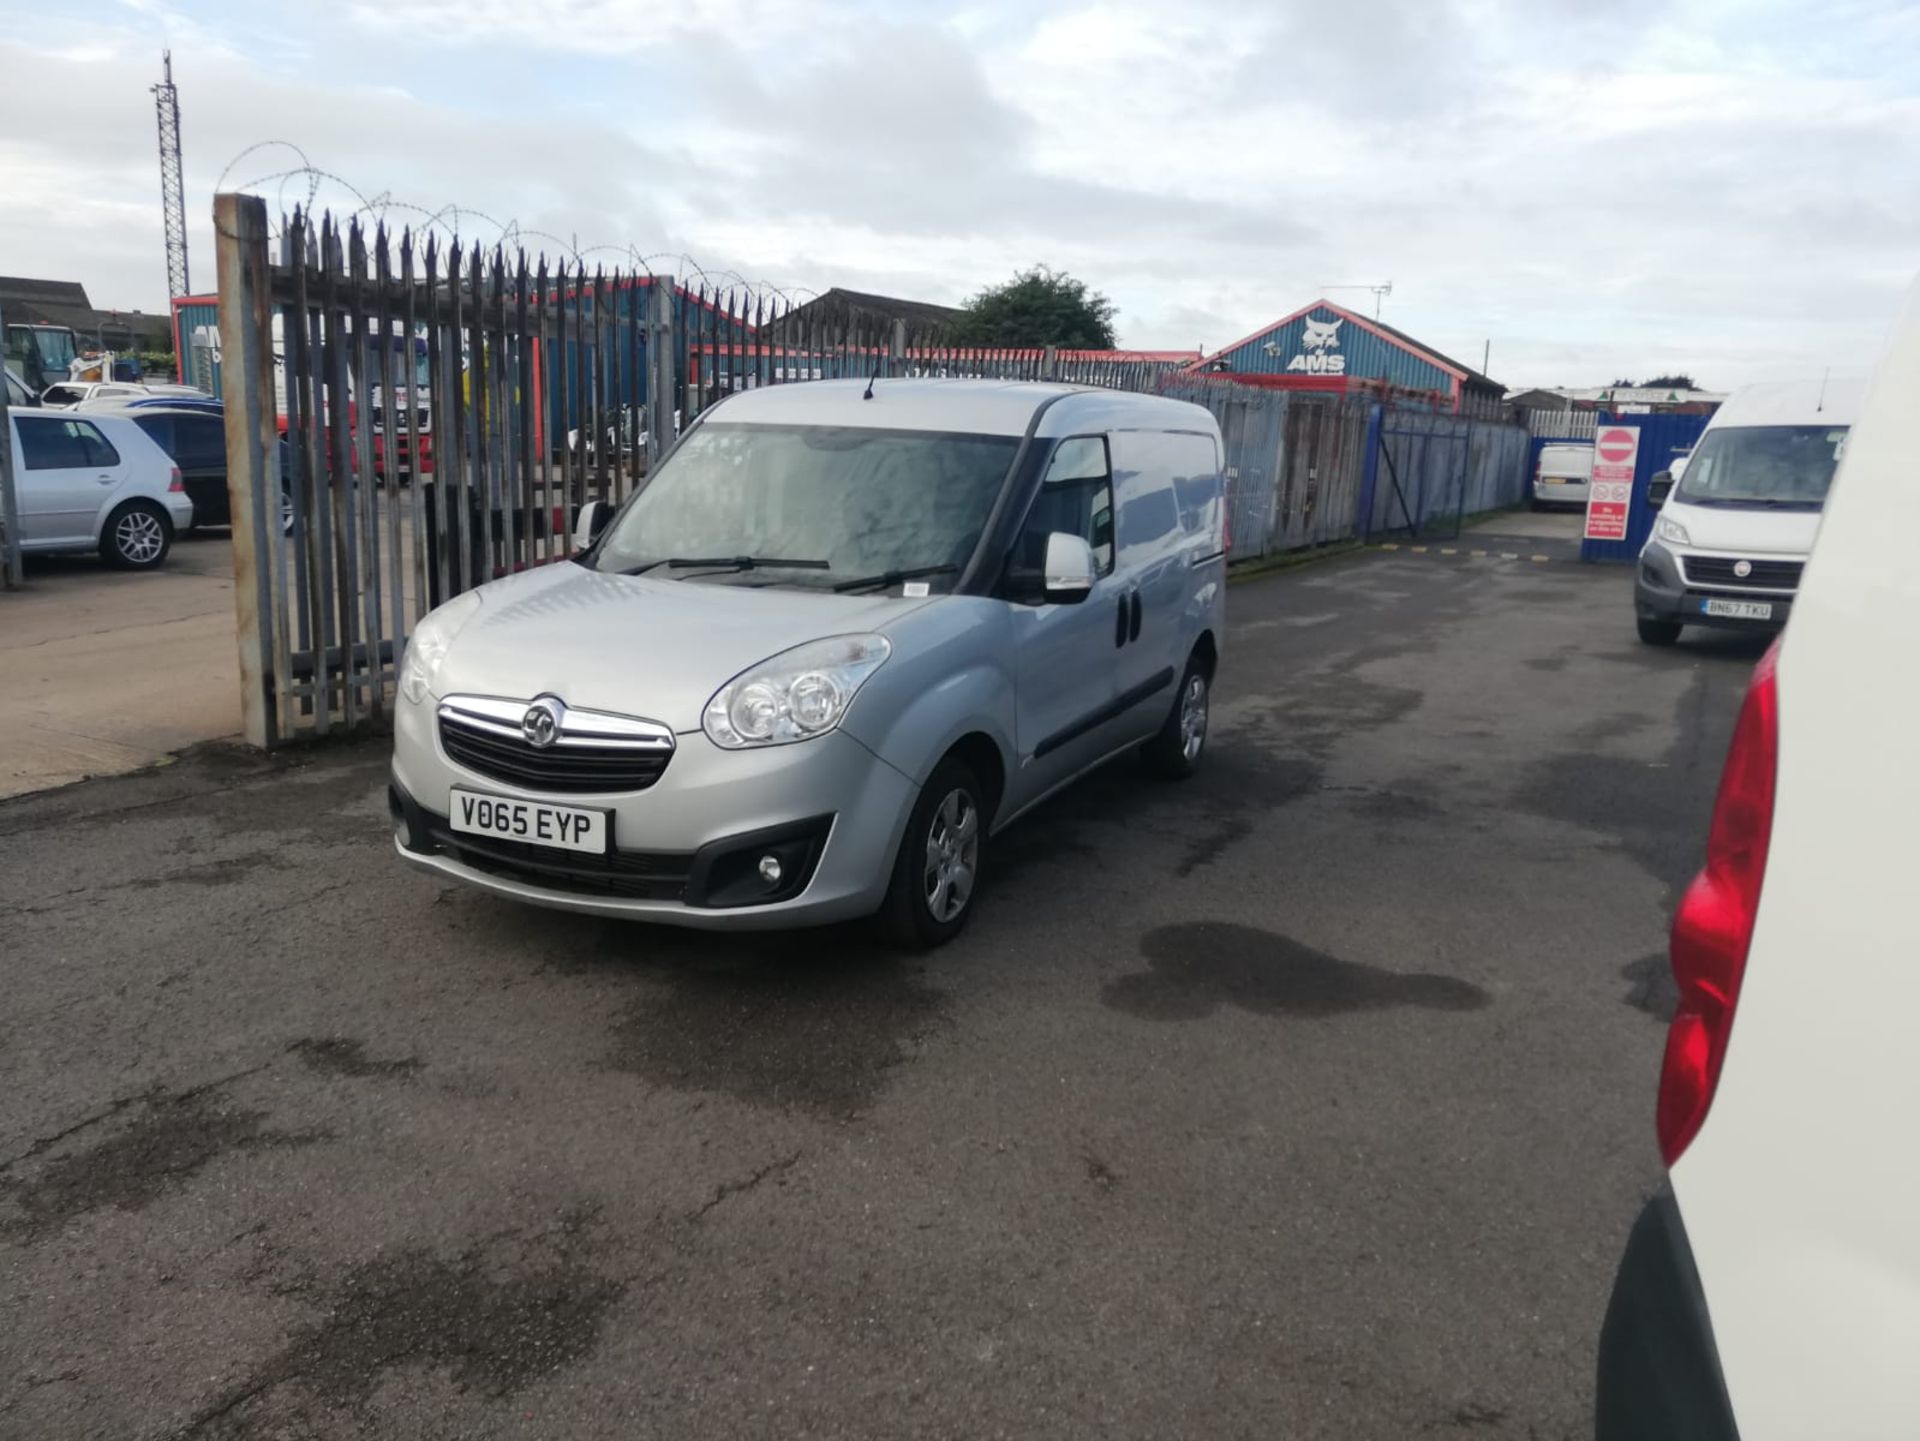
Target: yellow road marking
x=1481, y=553
x=1390, y=547
x=1509, y=555
x=1536, y=557
x=1417, y=549
x=1445, y=551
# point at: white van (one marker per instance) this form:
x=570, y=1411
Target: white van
x=1771, y=1288
x=1561, y=475
x=1736, y=529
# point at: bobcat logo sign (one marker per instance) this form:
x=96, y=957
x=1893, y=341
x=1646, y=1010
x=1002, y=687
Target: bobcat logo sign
x=1319, y=346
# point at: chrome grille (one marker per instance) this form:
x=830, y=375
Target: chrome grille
x=593, y=752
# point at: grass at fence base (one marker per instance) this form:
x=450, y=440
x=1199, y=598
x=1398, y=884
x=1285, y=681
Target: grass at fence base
x=1289, y=560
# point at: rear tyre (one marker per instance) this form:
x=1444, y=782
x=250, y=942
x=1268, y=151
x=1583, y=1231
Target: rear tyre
x=1174, y=752
x=137, y=536
x=936, y=874
x=1658, y=632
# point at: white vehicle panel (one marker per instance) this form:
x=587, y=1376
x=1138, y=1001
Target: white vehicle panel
x=1801, y=1194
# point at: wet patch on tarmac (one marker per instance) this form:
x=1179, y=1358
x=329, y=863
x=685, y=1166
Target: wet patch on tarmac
x=343, y=1056
x=1195, y=968
x=1650, y=986
x=1548, y=663
x=1395, y=806
x=815, y=1020
x=146, y=1147
x=215, y=873
x=497, y=1318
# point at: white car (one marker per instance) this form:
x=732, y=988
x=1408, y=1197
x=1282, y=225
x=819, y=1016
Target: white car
x=96, y=482
x=1771, y=1289
x=68, y=394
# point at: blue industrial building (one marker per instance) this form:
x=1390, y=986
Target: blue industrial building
x=1327, y=348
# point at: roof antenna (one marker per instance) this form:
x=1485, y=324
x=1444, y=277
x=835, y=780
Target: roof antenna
x=870, y=380
x=1821, y=404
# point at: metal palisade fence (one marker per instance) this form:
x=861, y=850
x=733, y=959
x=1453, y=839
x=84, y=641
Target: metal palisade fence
x=408, y=418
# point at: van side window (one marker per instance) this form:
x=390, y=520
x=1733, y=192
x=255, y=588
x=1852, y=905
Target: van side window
x=1076, y=496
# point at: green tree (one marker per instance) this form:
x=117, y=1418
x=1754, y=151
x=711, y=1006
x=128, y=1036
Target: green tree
x=1671, y=382
x=1038, y=307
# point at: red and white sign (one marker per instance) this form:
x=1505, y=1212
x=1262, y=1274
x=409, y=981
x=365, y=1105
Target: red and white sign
x=1616, y=450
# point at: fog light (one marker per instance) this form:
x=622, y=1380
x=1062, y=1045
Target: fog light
x=770, y=870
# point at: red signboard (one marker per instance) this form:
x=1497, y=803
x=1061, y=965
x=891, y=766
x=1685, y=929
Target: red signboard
x=1610, y=493
x=1618, y=444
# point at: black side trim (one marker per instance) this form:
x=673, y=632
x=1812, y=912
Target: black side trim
x=1092, y=720
x=1659, y=1377
x=1208, y=559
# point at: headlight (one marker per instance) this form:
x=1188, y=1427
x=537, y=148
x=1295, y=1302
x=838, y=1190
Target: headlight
x=428, y=645
x=796, y=695
x=1667, y=529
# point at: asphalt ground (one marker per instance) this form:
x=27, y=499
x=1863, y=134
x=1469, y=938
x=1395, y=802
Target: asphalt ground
x=1311, y=1098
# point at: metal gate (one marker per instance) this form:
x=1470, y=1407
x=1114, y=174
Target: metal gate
x=405, y=422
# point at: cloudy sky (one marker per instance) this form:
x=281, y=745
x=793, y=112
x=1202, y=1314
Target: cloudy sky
x=1599, y=188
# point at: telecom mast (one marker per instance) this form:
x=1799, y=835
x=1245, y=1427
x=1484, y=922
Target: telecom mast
x=173, y=203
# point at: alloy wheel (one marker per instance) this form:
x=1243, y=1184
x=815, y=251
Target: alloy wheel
x=1193, y=717
x=953, y=855
x=139, y=537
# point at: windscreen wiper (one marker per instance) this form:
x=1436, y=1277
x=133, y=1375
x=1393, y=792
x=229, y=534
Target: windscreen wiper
x=731, y=564
x=726, y=563
x=895, y=577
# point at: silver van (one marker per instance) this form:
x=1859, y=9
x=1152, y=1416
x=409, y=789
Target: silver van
x=844, y=633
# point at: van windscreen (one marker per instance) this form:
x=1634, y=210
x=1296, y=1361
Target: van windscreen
x=1786, y=466
x=865, y=501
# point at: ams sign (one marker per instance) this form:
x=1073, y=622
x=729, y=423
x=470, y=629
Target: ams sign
x=1319, y=349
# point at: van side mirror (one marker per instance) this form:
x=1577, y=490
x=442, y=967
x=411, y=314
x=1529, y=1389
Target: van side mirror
x=1069, y=572
x=1659, y=488
x=588, y=524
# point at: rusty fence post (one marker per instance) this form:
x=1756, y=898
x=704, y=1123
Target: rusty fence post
x=660, y=426
x=246, y=340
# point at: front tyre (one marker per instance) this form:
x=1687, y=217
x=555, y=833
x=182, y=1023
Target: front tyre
x=137, y=536
x=1174, y=752
x=937, y=871
x=1657, y=632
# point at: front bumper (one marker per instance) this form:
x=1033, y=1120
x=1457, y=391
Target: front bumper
x=1660, y=594
x=1659, y=1373
x=708, y=803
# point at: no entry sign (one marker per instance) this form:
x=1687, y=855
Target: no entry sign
x=1616, y=449
x=1617, y=443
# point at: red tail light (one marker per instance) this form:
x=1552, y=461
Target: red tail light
x=176, y=486
x=1714, y=926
